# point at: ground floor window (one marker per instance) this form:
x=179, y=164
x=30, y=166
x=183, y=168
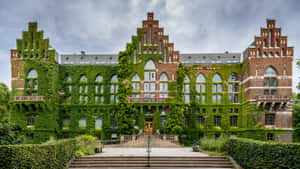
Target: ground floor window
x=270, y=136
x=270, y=119
x=233, y=121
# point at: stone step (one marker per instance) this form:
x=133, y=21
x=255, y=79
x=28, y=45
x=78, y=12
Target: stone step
x=153, y=165
x=155, y=161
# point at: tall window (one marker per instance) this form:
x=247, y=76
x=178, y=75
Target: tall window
x=217, y=121
x=233, y=121
x=83, y=89
x=32, y=83
x=149, y=80
x=99, y=89
x=134, y=56
x=163, y=85
x=201, y=88
x=270, y=119
x=270, y=81
x=150, y=34
x=114, y=89
x=165, y=55
x=68, y=91
x=155, y=38
x=217, y=88
x=82, y=122
x=98, y=123
x=186, y=89
x=160, y=46
x=145, y=38
x=136, y=82
x=233, y=88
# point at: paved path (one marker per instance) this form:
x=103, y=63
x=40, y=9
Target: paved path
x=154, y=152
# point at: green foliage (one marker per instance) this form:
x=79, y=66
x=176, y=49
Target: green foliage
x=4, y=98
x=214, y=144
x=9, y=134
x=52, y=154
x=85, y=145
x=175, y=119
x=296, y=121
x=253, y=154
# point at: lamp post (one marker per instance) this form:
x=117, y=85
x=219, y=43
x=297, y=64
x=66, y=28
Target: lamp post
x=205, y=118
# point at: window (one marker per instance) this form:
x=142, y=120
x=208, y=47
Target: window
x=30, y=120
x=165, y=55
x=203, y=110
x=150, y=34
x=270, y=80
x=140, y=47
x=134, y=56
x=32, y=74
x=163, y=85
x=236, y=110
x=200, y=120
x=82, y=122
x=149, y=80
x=186, y=89
x=201, y=87
x=160, y=46
x=98, y=123
x=32, y=83
x=145, y=38
x=270, y=136
x=270, y=119
x=66, y=122
x=114, y=89
x=99, y=89
x=233, y=121
x=233, y=88
x=214, y=110
x=217, y=121
x=155, y=38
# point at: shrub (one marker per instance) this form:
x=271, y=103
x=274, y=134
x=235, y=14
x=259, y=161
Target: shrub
x=50, y=155
x=253, y=154
x=212, y=144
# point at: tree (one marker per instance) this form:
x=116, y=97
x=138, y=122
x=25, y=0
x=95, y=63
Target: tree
x=4, y=98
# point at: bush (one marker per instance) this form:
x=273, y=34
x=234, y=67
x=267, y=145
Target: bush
x=212, y=144
x=50, y=155
x=253, y=154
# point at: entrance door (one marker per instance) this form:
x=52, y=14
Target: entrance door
x=148, y=127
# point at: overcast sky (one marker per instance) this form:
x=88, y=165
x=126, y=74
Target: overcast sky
x=106, y=26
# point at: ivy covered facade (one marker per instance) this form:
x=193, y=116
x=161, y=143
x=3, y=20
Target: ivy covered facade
x=152, y=88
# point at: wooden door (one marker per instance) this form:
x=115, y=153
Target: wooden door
x=148, y=127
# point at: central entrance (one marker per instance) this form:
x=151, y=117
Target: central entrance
x=148, y=128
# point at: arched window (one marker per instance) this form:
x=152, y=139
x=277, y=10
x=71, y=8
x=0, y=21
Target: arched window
x=32, y=74
x=114, y=89
x=201, y=88
x=270, y=81
x=83, y=89
x=82, y=122
x=217, y=88
x=32, y=83
x=99, y=89
x=186, y=89
x=136, y=86
x=83, y=78
x=233, y=88
x=149, y=80
x=163, y=85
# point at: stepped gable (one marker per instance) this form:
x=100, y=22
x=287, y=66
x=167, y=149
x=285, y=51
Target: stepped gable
x=270, y=43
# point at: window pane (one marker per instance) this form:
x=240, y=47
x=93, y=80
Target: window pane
x=214, y=98
x=82, y=122
x=236, y=88
x=230, y=98
x=266, y=92
x=98, y=123
x=273, y=92
x=112, y=89
x=230, y=88
x=219, y=98
x=197, y=98
x=266, y=82
x=203, y=99
x=219, y=87
x=214, y=88
x=236, y=98
x=198, y=88
x=203, y=87
x=273, y=82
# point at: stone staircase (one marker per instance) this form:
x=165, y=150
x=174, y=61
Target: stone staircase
x=89, y=162
x=141, y=142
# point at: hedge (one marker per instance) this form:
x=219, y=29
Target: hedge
x=51, y=155
x=253, y=154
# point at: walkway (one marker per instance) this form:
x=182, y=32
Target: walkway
x=154, y=152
